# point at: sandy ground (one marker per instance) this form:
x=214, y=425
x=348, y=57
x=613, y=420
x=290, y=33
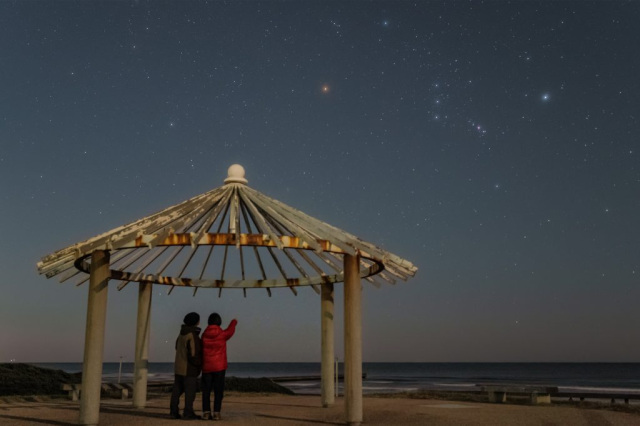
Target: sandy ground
x=243, y=409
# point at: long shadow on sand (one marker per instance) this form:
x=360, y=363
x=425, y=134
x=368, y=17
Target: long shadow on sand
x=32, y=406
x=298, y=419
x=270, y=403
x=128, y=411
x=35, y=420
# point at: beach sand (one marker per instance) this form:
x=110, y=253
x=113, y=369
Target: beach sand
x=264, y=410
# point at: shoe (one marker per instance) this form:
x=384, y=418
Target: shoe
x=207, y=415
x=191, y=417
x=217, y=416
x=175, y=416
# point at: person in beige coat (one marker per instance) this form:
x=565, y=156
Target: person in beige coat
x=186, y=367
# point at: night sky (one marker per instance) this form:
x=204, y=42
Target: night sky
x=494, y=145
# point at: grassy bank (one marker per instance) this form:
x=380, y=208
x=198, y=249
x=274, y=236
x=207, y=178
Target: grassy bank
x=25, y=379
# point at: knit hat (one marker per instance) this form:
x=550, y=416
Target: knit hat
x=214, y=319
x=191, y=319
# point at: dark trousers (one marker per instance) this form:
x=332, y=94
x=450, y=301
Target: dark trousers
x=212, y=382
x=186, y=385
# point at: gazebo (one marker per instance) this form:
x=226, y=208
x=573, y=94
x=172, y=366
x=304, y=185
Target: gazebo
x=192, y=244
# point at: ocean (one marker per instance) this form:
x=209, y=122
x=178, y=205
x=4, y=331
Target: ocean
x=383, y=377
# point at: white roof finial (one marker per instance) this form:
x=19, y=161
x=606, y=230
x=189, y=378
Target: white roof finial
x=235, y=174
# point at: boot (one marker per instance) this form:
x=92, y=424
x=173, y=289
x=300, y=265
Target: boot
x=207, y=415
x=190, y=416
x=217, y=416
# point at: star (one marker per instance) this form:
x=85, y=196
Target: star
x=545, y=97
x=325, y=88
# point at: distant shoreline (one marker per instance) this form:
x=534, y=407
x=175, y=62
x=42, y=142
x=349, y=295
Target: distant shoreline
x=599, y=378
x=26, y=382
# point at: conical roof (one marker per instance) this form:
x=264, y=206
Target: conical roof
x=230, y=237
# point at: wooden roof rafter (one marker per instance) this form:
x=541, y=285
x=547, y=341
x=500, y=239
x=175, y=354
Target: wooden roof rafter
x=290, y=248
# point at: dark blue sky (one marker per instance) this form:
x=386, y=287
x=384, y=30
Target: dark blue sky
x=495, y=145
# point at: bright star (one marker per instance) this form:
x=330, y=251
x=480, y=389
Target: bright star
x=546, y=97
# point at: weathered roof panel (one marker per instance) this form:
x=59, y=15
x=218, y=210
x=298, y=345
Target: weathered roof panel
x=181, y=240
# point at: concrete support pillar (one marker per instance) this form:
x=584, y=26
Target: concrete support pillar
x=143, y=328
x=352, y=339
x=94, y=338
x=327, y=366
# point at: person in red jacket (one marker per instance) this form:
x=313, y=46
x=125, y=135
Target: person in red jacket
x=214, y=364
